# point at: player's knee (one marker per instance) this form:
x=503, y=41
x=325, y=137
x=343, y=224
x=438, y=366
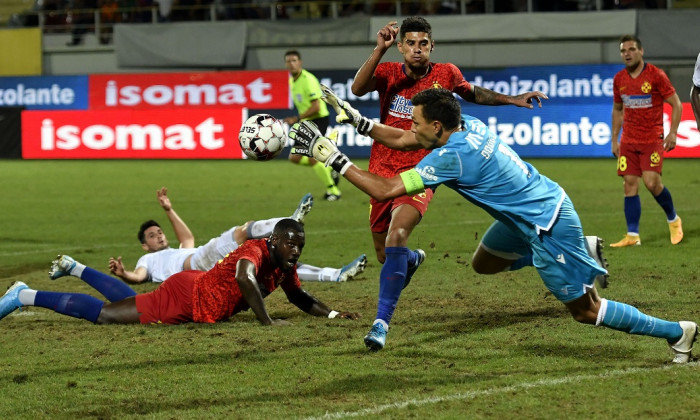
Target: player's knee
x=397, y=237
x=654, y=187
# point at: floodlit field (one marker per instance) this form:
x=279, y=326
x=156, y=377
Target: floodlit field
x=460, y=346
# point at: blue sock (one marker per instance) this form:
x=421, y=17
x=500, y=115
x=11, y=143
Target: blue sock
x=391, y=281
x=633, y=212
x=525, y=261
x=623, y=317
x=666, y=202
x=76, y=305
x=111, y=288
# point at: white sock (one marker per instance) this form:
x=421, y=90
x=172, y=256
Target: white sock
x=77, y=271
x=27, y=296
x=311, y=273
x=262, y=228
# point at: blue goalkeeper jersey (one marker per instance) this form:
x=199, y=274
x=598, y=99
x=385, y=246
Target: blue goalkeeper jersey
x=486, y=171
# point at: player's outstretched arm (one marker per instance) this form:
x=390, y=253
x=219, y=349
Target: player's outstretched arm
x=391, y=137
x=182, y=232
x=116, y=267
x=312, y=306
x=308, y=141
x=483, y=96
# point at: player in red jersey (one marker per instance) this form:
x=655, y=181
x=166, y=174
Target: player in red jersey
x=639, y=92
x=236, y=283
x=392, y=221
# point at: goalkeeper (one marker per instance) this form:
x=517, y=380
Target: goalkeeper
x=532, y=212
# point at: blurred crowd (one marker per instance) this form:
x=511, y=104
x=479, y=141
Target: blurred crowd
x=82, y=16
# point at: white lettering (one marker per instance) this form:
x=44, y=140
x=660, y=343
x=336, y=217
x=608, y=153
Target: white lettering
x=553, y=85
x=259, y=92
x=22, y=95
x=206, y=134
x=535, y=133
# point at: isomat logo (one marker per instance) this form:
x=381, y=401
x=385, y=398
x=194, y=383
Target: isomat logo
x=173, y=134
x=250, y=89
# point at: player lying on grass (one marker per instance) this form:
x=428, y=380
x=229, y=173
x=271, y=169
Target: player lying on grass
x=533, y=213
x=162, y=261
x=238, y=282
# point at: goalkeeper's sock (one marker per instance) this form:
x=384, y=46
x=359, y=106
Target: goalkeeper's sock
x=77, y=305
x=110, y=287
x=633, y=212
x=666, y=202
x=525, y=261
x=391, y=281
x=623, y=317
x=261, y=228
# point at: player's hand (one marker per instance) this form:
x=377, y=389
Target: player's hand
x=163, y=199
x=387, y=35
x=348, y=315
x=615, y=148
x=116, y=266
x=670, y=142
x=304, y=135
x=527, y=99
x=309, y=141
x=346, y=113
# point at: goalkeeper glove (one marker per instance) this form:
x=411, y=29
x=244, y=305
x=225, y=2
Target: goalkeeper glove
x=308, y=141
x=346, y=113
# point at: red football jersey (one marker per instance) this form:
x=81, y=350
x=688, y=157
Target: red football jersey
x=395, y=93
x=642, y=98
x=216, y=296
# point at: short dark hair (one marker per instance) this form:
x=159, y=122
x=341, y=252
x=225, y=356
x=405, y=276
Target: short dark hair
x=293, y=52
x=142, y=230
x=630, y=37
x=439, y=105
x=415, y=24
x=286, y=225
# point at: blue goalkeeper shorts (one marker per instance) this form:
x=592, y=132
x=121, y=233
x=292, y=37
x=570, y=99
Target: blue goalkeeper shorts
x=559, y=255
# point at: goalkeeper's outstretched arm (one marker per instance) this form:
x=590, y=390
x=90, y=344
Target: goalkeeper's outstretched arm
x=375, y=186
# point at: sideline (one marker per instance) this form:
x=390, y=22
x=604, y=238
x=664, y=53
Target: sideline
x=487, y=392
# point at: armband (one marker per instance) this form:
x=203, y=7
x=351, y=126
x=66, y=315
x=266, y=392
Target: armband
x=332, y=314
x=412, y=181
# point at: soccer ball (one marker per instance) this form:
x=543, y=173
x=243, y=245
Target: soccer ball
x=262, y=137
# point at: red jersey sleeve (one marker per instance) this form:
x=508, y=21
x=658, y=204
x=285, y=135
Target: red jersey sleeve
x=459, y=85
x=665, y=87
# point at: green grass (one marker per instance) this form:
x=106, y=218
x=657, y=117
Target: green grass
x=460, y=346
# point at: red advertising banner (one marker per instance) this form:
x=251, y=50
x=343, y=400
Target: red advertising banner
x=171, y=134
x=250, y=89
x=688, y=138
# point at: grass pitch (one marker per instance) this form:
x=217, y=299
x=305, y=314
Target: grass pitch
x=460, y=345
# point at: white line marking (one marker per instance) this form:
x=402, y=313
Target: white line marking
x=487, y=392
